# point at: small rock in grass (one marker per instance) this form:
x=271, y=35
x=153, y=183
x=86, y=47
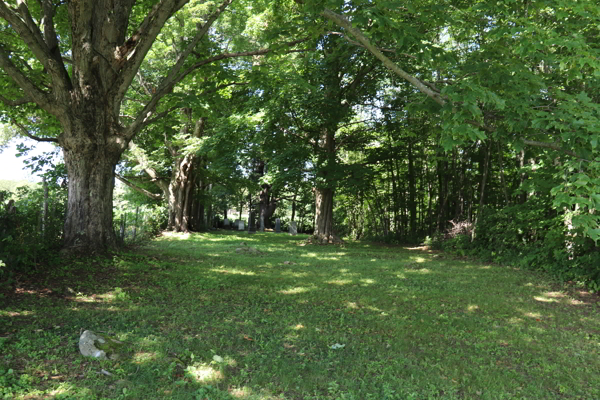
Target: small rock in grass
x=99, y=346
x=218, y=359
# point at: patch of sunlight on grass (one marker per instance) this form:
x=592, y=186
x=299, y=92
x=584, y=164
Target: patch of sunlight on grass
x=142, y=357
x=344, y=270
x=339, y=282
x=89, y=299
x=545, y=299
x=417, y=248
x=297, y=327
x=419, y=259
x=296, y=290
x=233, y=271
x=351, y=304
x=241, y=393
x=203, y=373
x=515, y=320
x=15, y=313
x=532, y=314
x=379, y=310
x=295, y=274
x=574, y=302
x=556, y=295
x=368, y=281
x=421, y=271
x=176, y=235
x=400, y=275
x=485, y=267
x=65, y=388
x=472, y=307
x=313, y=255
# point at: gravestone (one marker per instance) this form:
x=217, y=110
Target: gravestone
x=251, y=224
x=277, y=225
x=241, y=225
x=226, y=223
x=262, y=223
x=293, y=229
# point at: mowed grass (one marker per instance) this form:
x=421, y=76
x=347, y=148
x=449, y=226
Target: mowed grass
x=203, y=320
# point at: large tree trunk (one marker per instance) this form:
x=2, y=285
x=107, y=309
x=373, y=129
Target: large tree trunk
x=89, y=220
x=268, y=205
x=324, y=215
x=324, y=191
x=86, y=95
x=412, y=205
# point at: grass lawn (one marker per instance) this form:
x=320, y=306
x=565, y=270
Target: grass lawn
x=203, y=318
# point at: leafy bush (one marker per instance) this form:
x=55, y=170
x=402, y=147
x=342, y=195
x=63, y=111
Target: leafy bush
x=530, y=235
x=26, y=238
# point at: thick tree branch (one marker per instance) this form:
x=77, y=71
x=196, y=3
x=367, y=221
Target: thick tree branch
x=144, y=116
x=14, y=103
x=165, y=113
x=552, y=146
x=142, y=160
x=27, y=29
x=25, y=132
x=172, y=78
x=160, y=115
x=233, y=55
x=129, y=57
x=344, y=23
x=51, y=40
x=41, y=98
x=138, y=189
x=427, y=88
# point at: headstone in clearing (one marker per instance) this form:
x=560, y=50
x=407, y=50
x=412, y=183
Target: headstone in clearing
x=262, y=223
x=241, y=225
x=251, y=224
x=277, y=225
x=226, y=223
x=293, y=228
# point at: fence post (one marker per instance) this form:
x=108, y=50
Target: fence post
x=122, y=226
x=137, y=211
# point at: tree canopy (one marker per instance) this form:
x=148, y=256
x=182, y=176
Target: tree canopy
x=396, y=121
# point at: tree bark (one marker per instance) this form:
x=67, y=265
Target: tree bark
x=324, y=190
x=412, y=205
x=89, y=220
x=324, y=215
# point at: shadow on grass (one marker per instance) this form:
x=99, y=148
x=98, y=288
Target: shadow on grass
x=205, y=318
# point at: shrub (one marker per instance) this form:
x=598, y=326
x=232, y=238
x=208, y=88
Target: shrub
x=530, y=235
x=26, y=238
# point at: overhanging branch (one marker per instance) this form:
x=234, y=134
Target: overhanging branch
x=25, y=132
x=427, y=88
x=138, y=189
